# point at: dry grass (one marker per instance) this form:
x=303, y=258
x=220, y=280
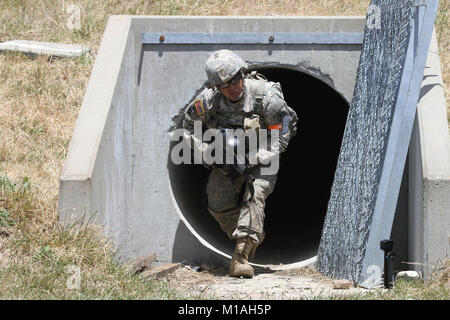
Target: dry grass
x=39, y=103
x=435, y=288
x=35, y=251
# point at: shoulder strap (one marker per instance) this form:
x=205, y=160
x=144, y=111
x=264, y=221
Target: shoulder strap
x=257, y=92
x=256, y=75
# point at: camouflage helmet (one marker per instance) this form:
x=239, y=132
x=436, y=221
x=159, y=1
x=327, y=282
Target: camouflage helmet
x=222, y=65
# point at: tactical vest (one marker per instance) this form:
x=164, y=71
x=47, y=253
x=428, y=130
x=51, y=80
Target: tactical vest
x=257, y=91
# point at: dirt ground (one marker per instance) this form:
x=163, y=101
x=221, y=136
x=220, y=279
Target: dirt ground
x=301, y=283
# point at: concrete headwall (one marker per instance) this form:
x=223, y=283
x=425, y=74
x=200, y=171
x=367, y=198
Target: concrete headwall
x=117, y=165
x=96, y=180
x=429, y=173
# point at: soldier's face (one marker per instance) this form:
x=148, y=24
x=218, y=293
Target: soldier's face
x=233, y=91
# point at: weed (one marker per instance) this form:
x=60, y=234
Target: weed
x=44, y=253
x=5, y=218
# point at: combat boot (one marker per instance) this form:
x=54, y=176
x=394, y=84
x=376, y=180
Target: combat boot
x=239, y=261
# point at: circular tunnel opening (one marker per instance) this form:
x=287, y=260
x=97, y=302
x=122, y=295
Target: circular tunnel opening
x=296, y=209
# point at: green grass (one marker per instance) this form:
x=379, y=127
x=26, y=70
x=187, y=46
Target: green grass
x=5, y=218
x=36, y=262
x=411, y=290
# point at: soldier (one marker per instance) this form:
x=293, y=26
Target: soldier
x=249, y=102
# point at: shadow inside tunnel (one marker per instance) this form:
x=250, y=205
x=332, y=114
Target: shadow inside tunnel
x=296, y=209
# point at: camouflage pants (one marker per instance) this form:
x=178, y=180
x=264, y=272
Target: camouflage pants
x=223, y=192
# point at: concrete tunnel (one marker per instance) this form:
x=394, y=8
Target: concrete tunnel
x=295, y=211
x=117, y=169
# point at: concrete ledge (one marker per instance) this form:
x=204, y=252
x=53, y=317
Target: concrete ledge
x=97, y=101
x=117, y=165
x=335, y=24
x=76, y=178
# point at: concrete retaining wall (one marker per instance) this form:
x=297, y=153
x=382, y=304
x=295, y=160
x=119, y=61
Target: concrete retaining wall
x=96, y=180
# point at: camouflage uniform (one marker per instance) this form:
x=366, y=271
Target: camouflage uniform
x=260, y=98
